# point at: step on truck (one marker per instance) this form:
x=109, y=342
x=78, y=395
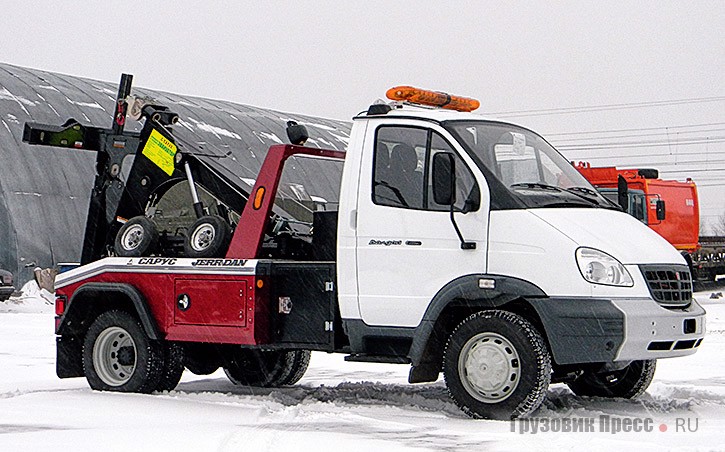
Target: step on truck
x=460, y=245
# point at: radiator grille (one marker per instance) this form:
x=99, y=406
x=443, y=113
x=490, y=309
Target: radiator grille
x=670, y=285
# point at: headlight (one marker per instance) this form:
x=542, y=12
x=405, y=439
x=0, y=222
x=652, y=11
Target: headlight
x=600, y=268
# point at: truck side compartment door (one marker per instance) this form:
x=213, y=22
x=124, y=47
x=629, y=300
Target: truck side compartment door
x=210, y=302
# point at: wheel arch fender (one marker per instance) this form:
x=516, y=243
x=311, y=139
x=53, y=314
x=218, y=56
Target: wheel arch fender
x=93, y=298
x=454, y=302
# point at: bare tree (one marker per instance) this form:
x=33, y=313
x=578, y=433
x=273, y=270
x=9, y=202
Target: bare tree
x=719, y=225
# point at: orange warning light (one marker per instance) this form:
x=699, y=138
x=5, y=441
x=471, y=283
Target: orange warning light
x=258, y=198
x=432, y=98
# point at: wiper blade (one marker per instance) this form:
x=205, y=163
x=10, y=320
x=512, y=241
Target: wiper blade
x=576, y=191
x=536, y=185
x=586, y=190
x=580, y=191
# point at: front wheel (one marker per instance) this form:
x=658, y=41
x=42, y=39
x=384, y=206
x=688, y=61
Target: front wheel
x=496, y=366
x=119, y=356
x=626, y=383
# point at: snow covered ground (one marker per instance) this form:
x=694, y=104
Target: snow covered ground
x=337, y=406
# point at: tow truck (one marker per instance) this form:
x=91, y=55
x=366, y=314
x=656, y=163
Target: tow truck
x=461, y=246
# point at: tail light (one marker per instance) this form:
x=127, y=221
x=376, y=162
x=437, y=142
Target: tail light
x=60, y=303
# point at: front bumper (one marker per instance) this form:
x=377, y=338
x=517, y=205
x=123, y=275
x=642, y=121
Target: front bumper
x=651, y=331
x=596, y=330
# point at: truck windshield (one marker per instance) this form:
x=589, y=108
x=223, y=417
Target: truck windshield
x=525, y=165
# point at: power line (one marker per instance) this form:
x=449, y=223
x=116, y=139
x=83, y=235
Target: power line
x=638, y=144
x=696, y=170
x=666, y=133
x=687, y=126
x=605, y=107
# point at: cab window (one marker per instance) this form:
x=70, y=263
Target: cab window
x=402, y=170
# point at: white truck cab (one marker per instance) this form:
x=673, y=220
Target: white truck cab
x=474, y=243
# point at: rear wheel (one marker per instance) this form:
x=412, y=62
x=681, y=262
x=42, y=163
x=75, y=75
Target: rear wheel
x=119, y=356
x=209, y=236
x=496, y=366
x=173, y=367
x=266, y=368
x=628, y=383
x=296, y=367
x=137, y=237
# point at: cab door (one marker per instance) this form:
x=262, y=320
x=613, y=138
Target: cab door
x=406, y=245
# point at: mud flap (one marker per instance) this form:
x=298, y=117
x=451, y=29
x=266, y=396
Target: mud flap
x=69, y=357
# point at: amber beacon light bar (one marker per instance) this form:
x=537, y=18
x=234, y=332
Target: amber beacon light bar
x=432, y=98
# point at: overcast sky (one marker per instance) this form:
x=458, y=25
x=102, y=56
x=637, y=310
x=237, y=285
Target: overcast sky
x=333, y=58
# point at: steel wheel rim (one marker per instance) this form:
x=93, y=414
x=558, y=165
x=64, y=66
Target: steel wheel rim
x=132, y=237
x=489, y=367
x=112, y=352
x=202, y=237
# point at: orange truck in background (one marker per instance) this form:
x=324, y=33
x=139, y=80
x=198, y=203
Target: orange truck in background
x=671, y=208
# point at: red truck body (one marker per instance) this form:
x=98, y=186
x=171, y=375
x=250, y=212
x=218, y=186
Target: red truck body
x=682, y=221
x=237, y=277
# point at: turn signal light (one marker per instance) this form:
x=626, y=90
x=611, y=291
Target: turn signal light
x=432, y=98
x=258, y=198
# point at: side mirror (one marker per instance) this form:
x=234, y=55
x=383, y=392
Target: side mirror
x=622, y=193
x=660, y=207
x=444, y=179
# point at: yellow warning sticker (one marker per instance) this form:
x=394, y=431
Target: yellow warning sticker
x=161, y=151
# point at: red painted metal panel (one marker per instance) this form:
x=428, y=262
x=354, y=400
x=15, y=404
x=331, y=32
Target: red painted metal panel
x=211, y=302
x=159, y=291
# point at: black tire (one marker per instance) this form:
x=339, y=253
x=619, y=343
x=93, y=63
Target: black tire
x=201, y=367
x=627, y=383
x=119, y=356
x=511, y=361
x=296, y=368
x=209, y=236
x=137, y=237
x=262, y=368
x=173, y=367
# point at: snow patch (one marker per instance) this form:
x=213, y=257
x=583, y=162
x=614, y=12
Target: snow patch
x=23, y=102
x=217, y=131
x=336, y=406
x=185, y=124
x=320, y=126
x=343, y=139
x=32, y=299
x=261, y=136
x=86, y=104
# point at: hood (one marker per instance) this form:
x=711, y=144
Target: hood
x=615, y=233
